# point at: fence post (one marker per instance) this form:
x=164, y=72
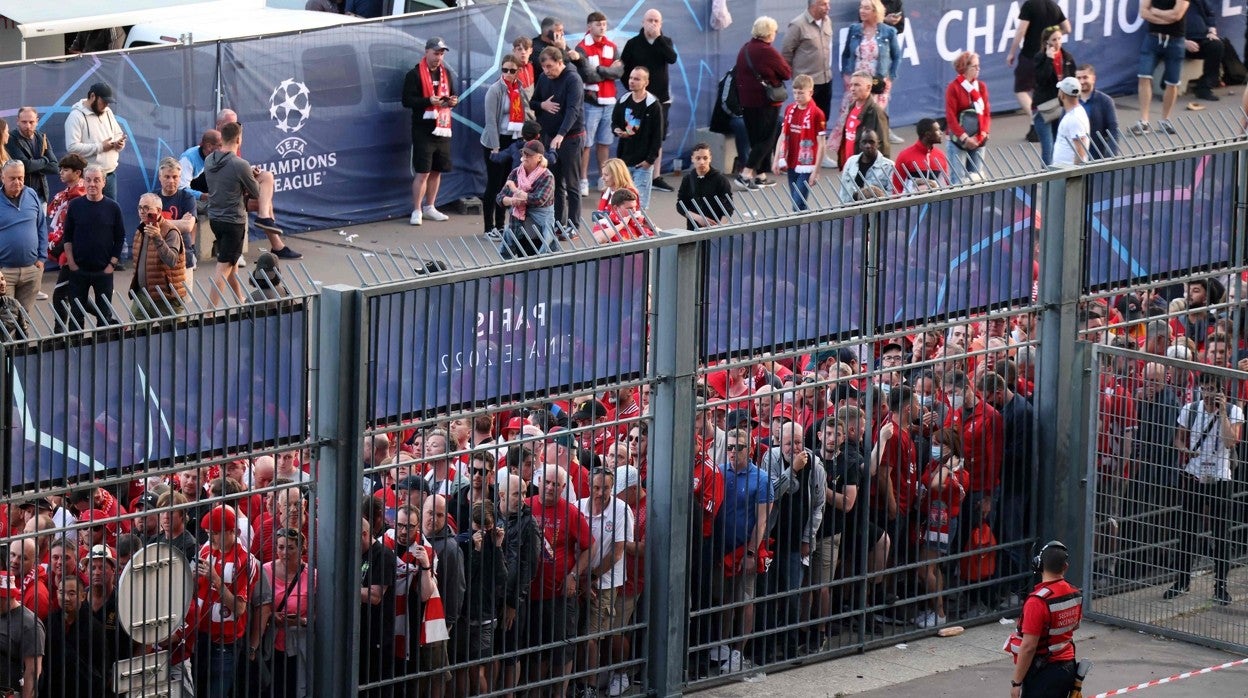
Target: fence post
x=676, y=325
x=1061, y=419
x=338, y=426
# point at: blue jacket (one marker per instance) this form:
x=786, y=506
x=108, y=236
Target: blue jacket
x=890, y=50
x=23, y=230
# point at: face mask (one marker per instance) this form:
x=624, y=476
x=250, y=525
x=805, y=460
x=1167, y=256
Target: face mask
x=937, y=452
x=955, y=401
x=926, y=400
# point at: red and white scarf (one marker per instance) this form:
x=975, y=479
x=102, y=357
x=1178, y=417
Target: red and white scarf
x=515, y=111
x=977, y=103
x=524, y=182
x=603, y=53
x=441, y=116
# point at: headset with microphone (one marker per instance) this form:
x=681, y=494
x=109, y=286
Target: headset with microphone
x=1037, y=564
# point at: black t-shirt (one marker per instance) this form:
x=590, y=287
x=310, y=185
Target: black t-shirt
x=377, y=620
x=1174, y=28
x=843, y=471
x=794, y=511
x=1041, y=14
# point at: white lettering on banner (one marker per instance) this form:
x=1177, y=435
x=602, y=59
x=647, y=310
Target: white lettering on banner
x=509, y=320
x=1229, y=9
x=502, y=354
x=981, y=28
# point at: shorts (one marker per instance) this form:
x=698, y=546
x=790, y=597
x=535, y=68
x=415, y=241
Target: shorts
x=229, y=240
x=598, y=124
x=457, y=646
x=823, y=558
x=1025, y=74
x=1155, y=48
x=481, y=639
x=553, y=621
x=430, y=154
x=431, y=661
x=943, y=547
x=601, y=612
x=512, y=640
x=625, y=607
x=741, y=587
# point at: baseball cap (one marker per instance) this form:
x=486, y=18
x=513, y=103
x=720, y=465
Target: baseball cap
x=590, y=410
x=514, y=424
x=102, y=552
x=739, y=418
x=784, y=411
x=413, y=482
x=8, y=587
x=218, y=519
x=1070, y=86
x=626, y=476
x=436, y=43
x=102, y=90
x=92, y=515
x=147, y=500
x=534, y=147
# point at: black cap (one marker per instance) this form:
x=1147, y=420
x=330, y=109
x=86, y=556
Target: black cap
x=414, y=483
x=847, y=356
x=844, y=391
x=590, y=410
x=146, y=501
x=102, y=90
x=266, y=262
x=436, y=43
x=739, y=418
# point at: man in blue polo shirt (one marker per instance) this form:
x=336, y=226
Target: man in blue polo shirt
x=739, y=530
x=23, y=234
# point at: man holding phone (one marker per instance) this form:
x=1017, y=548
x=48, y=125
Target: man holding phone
x=92, y=131
x=159, y=283
x=429, y=91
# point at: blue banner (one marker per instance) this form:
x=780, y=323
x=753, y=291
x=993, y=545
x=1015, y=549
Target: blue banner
x=1141, y=221
x=104, y=404
x=953, y=257
x=790, y=286
x=496, y=338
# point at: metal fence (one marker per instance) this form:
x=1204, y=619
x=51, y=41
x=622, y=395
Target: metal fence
x=713, y=403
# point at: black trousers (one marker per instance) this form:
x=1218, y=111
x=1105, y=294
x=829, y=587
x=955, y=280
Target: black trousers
x=1211, y=51
x=81, y=284
x=567, y=174
x=495, y=175
x=1206, y=507
x=761, y=123
x=1052, y=681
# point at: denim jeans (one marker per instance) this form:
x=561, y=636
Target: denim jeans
x=642, y=180
x=799, y=189
x=962, y=162
x=214, y=667
x=533, y=235
x=1047, y=133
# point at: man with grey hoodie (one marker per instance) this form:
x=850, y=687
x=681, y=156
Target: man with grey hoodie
x=229, y=177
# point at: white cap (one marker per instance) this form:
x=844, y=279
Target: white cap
x=626, y=476
x=1070, y=86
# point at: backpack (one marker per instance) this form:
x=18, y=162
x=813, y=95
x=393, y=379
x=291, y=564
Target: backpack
x=980, y=566
x=726, y=92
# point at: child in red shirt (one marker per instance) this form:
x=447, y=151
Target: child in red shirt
x=800, y=149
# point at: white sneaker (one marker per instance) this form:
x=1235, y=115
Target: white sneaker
x=895, y=139
x=584, y=187
x=242, y=261
x=718, y=654
x=735, y=662
x=924, y=619
x=829, y=162
x=619, y=684
x=434, y=214
x=41, y=296
x=416, y=218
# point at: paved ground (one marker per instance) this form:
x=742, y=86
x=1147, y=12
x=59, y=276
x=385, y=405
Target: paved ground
x=353, y=254
x=973, y=664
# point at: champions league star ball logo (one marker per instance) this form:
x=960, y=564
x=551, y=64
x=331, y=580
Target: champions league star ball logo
x=290, y=105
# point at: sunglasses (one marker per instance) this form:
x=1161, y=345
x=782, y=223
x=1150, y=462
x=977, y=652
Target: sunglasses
x=480, y=471
x=736, y=447
x=289, y=533
x=508, y=70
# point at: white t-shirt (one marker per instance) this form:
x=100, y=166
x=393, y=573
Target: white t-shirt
x=613, y=525
x=1213, y=458
x=1074, y=125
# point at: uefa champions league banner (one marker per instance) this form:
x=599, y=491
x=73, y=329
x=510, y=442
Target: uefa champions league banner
x=163, y=98
x=1159, y=220
x=111, y=403
x=501, y=337
x=953, y=257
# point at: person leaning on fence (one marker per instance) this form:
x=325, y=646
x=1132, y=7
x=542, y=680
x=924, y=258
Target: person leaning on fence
x=12, y=314
x=529, y=194
x=1043, y=641
x=624, y=220
x=867, y=174
x=159, y=282
x=923, y=165
x=705, y=194
x=1071, y=146
x=1209, y=430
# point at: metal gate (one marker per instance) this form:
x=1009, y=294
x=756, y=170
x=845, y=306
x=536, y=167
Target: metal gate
x=1165, y=545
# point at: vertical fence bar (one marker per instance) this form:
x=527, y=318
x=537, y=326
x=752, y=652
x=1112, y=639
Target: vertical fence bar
x=678, y=305
x=1058, y=406
x=338, y=425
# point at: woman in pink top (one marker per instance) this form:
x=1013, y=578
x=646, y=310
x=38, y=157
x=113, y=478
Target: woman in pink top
x=294, y=584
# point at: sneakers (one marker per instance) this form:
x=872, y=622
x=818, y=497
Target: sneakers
x=495, y=234
x=829, y=162
x=41, y=296
x=1168, y=127
x=588, y=692
x=1140, y=128
x=1221, y=596
x=1175, y=590
x=734, y=663
x=746, y=183
x=1010, y=602
x=584, y=187
x=718, y=654
x=242, y=261
x=287, y=253
x=661, y=184
x=895, y=139
x=416, y=218
x=1206, y=94
x=434, y=214
x=929, y=619
x=268, y=225
x=619, y=684
x=764, y=182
